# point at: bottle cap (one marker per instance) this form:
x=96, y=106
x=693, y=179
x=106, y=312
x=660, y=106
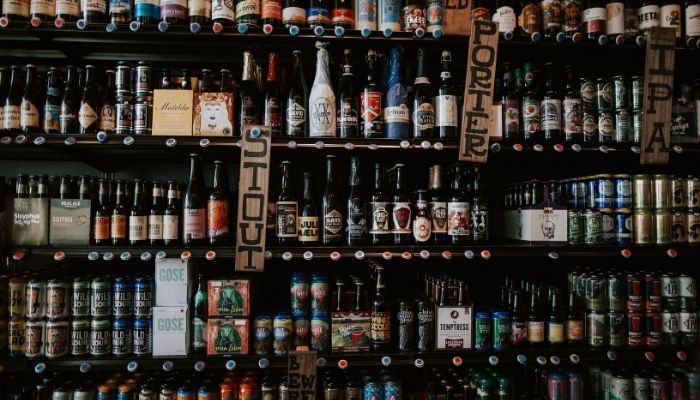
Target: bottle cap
x=195, y=27
x=365, y=32
x=81, y=24
x=163, y=26
x=93, y=255
x=217, y=27
x=293, y=30
x=267, y=29
x=420, y=32
x=59, y=22
x=339, y=31
x=134, y=26
x=35, y=22
x=111, y=27
x=242, y=29
x=39, y=140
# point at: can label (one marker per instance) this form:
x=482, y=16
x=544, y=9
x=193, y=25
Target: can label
x=80, y=299
x=616, y=331
x=635, y=332
x=57, y=339
x=482, y=333
x=100, y=300
x=121, y=337
x=123, y=299
x=670, y=328
x=100, y=337
x=300, y=297
x=143, y=299
x=217, y=218
x=287, y=219
x=595, y=329
x=143, y=336
x=34, y=338
x=16, y=336
x=263, y=336
x=80, y=337
x=57, y=295
x=36, y=295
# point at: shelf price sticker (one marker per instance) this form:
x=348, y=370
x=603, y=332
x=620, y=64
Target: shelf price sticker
x=301, y=375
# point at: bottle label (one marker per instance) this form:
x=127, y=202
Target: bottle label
x=294, y=16
x=224, y=9
x=692, y=20
x=370, y=105
x=199, y=342
x=511, y=116
x=121, y=7
x=318, y=16
x=590, y=126
x=107, y=120
x=571, y=10
x=287, y=219
x=272, y=10
x=138, y=228
x=29, y=115
x=195, y=223
x=649, y=17
x=594, y=20
x=550, y=110
x=86, y=116
x=342, y=16
x=505, y=16
x=367, y=12
x=45, y=7
x=551, y=15
x=671, y=17
x=101, y=227
x=52, y=115
x=147, y=8
x=421, y=229
x=401, y=217
x=171, y=227
x=322, y=111
x=357, y=221
x=434, y=14
x=347, y=115
x=398, y=114
x=247, y=8
x=380, y=218
x=272, y=116
x=572, y=116
x=535, y=331
x=217, y=218
x=529, y=19
x=333, y=224
x=555, y=333
x=16, y=7
x=296, y=115
x=155, y=227
x=458, y=218
x=380, y=327
x=438, y=213
x=480, y=224
x=480, y=13
x=118, y=227
x=518, y=332
x=68, y=7
x=424, y=117
x=99, y=6
x=413, y=17
x=308, y=229
x=11, y=117
x=389, y=13
x=173, y=9
x=446, y=110
x=574, y=330
x=615, y=14
x=631, y=21
x=249, y=110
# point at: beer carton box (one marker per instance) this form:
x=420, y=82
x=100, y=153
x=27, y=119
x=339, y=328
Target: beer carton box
x=28, y=222
x=173, y=277
x=229, y=297
x=453, y=327
x=227, y=336
x=171, y=331
x=70, y=222
x=350, y=331
x=213, y=114
x=172, y=112
x=683, y=124
x=537, y=225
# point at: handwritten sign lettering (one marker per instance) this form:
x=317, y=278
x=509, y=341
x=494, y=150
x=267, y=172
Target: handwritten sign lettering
x=252, y=199
x=301, y=375
x=658, y=95
x=478, y=94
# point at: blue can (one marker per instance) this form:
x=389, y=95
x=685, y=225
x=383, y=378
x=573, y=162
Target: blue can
x=185, y=392
x=581, y=191
x=571, y=192
x=143, y=336
x=372, y=390
x=501, y=330
x=122, y=297
x=591, y=188
x=300, y=292
x=121, y=336
x=604, y=190
x=575, y=385
x=392, y=389
x=623, y=191
x=623, y=226
x=143, y=297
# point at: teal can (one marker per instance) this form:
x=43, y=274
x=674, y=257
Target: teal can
x=482, y=324
x=320, y=332
x=501, y=330
x=320, y=293
x=299, y=291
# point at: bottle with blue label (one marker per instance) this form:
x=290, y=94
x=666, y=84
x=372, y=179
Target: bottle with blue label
x=389, y=16
x=147, y=11
x=366, y=15
x=396, y=110
x=318, y=14
x=52, y=104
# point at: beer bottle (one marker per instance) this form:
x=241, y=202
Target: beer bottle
x=100, y=222
x=480, y=10
x=173, y=12
x=30, y=120
x=529, y=20
x=107, y=114
x=550, y=13
x=206, y=84
x=366, y=12
x=615, y=21
x=248, y=93
x=437, y=205
x=422, y=225
x=555, y=324
x=479, y=208
x=400, y=209
x=119, y=212
x=322, y=113
x=186, y=79
x=84, y=190
x=511, y=106
x=347, y=101
x=572, y=109
x=248, y=12
x=649, y=15
x=68, y=10
x=535, y=322
x=308, y=220
x=594, y=18
x=219, y=207
x=380, y=326
x=4, y=87
x=65, y=189
x=342, y=14
x=413, y=16
x=146, y=12
x=357, y=207
x=199, y=11
x=318, y=13
x=12, y=109
x=225, y=81
x=332, y=232
x=22, y=187
x=171, y=216
x=379, y=208
x=69, y=108
x=389, y=20
x=223, y=12
x=155, y=216
x=120, y=11
x=423, y=112
x=550, y=108
x=294, y=13
x=297, y=117
x=89, y=103
x=199, y=320
x=43, y=10
x=271, y=13
x=15, y=11
x=165, y=82
x=446, y=112
x=518, y=323
x=396, y=112
x=287, y=209
x=670, y=16
x=194, y=211
x=458, y=213
x=505, y=16
x=571, y=19
x=574, y=322
x=271, y=113
x=530, y=107
x=692, y=22
x=138, y=219
x=94, y=11
x=371, y=125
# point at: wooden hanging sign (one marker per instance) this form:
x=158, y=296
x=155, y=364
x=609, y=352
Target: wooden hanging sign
x=301, y=375
x=658, y=95
x=252, y=199
x=478, y=93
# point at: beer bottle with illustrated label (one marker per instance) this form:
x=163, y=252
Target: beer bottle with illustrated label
x=510, y=106
x=287, y=209
x=423, y=112
x=273, y=98
x=446, y=111
x=530, y=107
x=343, y=14
x=379, y=208
x=107, y=122
x=535, y=321
x=138, y=219
x=296, y=123
x=400, y=208
x=437, y=204
x=380, y=326
x=504, y=14
x=30, y=118
x=194, y=211
x=357, y=206
x=118, y=222
x=318, y=14
x=248, y=94
x=171, y=216
x=13, y=102
x=571, y=18
x=89, y=104
x=480, y=10
x=219, y=207
x=308, y=218
x=421, y=225
x=52, y=104
x=271, y=12
x=550, y=108
x=322, y=113
x=69, y=103
x=155, y=215
x=396, y=112
x=572, y=109
x=332, y=210
x=594, y=19
x=458, y=212
x=347, y=101
x=529, y=19
x=371, y=124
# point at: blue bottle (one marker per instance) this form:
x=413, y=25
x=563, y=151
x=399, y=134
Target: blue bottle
x=397, y=114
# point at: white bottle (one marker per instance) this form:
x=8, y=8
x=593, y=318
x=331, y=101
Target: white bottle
x=322, y=115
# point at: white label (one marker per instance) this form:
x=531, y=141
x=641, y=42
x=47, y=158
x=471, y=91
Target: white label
x=223, y=9
x=138, y=228
x=592, y=14
x=380, y=218
x=648, y=17
x=68, y=7
x=95, y=5
x=249, y=7
x=551, y=114
x=29, y=116
x=45, y=7
x=615, y=18
x=671, y=17
x=692, y=20
x=398, y=114
x=458, y=216
x=11, y=117
x=294, y=16
x=454, y=328
x=107, y=120
x=296, y=114
x=171, y=225
x=446, y=110
x=421, y=229
x=87, y=115
x=155, y=227
x=16, y=7
x=199, y=8
x=322, y=111
x=505, y=16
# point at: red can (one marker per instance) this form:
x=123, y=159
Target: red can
x=652, y=292
x=556, y=385
x=652, y=331
x=635, y=329
x=635, y=292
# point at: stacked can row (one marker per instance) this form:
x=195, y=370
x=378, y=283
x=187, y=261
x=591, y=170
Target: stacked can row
x=612, y=109
x=606, y=382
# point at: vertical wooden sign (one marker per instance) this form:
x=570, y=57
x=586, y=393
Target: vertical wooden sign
x=252, y=199
x=457, y=20
x=658, y=95
x=301, y=375
x=478, y=93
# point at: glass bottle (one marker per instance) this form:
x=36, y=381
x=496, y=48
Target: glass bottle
x=347, y=100
x=271, y=113
x=400, y=209
x=332, y=232
x=510, y=106
x=155, y=215
x=296, y=123
x=219, y=207
x=248, y=94
x=308, y=218
x=118, y=221
x=13, y=102
x=101, y=219
x=380, y=330
x=371, y=125
x=287, y=210
x=423, y=112
x=379, y=208
x=89, y=104
x=194, y=211
x=397, y=115
x=30, y=119
x=171, y=216
x=322, y=114
x=446, y=111
x=138, y=218
x=357, y=207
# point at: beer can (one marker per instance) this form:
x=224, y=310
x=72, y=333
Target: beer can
x=663, y=223
x=591, y=191
x=643, y=227
x=659, y=388
x=623, y=226
x=79, y=337
x=637, y=92
x=670, y=328
x=653, y=334
x=635, y=329
x=353, y=391
x=501, y=330
x=122, y=336
x=692, y=191
x=693, y=226
x=35, y=299
x=320, y=293
x=595, y=329
x=607, y=226
x=693, y=384
x=581, y=190
x=372, y=390
x=591, y=227
x=57, y=338
x=57, y=299
x=143, y=297
x=34, y=338
x=594, y=381
x=263, y=335
x=124, y=111
x=300, y=289
x=604, y=191
x=662, y=191
x=652, y=292
x=640, y=387
x=604, y=97
x=621, y=98
x=670, y=292
x=282, y=334
x=320, y=332
x=641, y=191
x=556, y=385
x=392, y=389
x=143, y=117
x=123, y=82
x=596, y=293
x=18, y=297
x=621, y=387
x=606, y=376
x=302, y=331
x=688, y=289
x=590, y=127
x=575, y=227
x=100, y=336
x=143, y=79
x=616, y=328
x=615, y=293
x=588, y=92
x=575, y=385
x=637, y=125
x=679, y=199
x=143, y=336
x=100, y=297
x=16, y=335
x=622, y=184
x=679, y=227
x=688, y=327
x=635, y=292
x=425, y=312
x=122, y=297
x=606, y=127
x=679, y=387
x=482, y=329
x=80, y=297
x=405, y=316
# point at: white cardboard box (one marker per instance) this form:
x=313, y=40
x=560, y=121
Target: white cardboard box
x=171, y=331
x=537, y=225
x=173, y=282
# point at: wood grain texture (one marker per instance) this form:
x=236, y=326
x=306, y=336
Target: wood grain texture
x=301, y=375
x=457, y=19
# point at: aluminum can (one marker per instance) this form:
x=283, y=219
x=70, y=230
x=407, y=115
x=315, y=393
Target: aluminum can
x=637, y=92
x=692, y=191
x=616, y=328
x=372, y=391
x=623, y=191
x=688, y=288
x=575, y=227
x=302, y=331
x=300, y=289
x=595, y=329
x=624, y=130
x=670, y=292
x=637, y=125
x=143, y=297
x=100, y=298
x=263, y=335
x=592, y=227
x=320, y=332
x=35, y=299
x=635, y=329
x=16, y=335
x=34, y=338
x=590, y=127
x=641, y=191
x=58, y=299
x=653, y=328
x=693, y=226
x=123, y=84
x=392, y=389
x=143, y=336
x=556, y=385
x=679, y=199
x=588, y=94
x=640, y=387
x=100, y=336
x=607, y=226
x=501, y=330
x=604, y=97
x=688, y=327
x=635, y=292
x=621, y=92
x=679, y=227
x=623, y=226
x=320, y=293
x=575, y=385
x=282, y=334
x=596, y=293
x=483, y=331
x=662, y=191
x=143, y=80
x=17, y=289
x=122, y=336
x=80, y=337
x=58, y=338
x=643, y=227
x=615, y=293
x=663, y=224
x=659, y=388
x=670, y=328
x=652, y=292
x=122, y=298
x=80, y=297
x=606, y=127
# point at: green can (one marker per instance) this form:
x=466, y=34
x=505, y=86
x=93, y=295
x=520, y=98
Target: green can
x=662, y=191
x=501, y=330
x=663, y=226
x=591, y=227
x=621, y=387
x=482, y=324
x=641, y=191
x=575, y=227
x=637, y=92
x=622, y=94
x=637, y=125
x=642, y=227
x=623, y=126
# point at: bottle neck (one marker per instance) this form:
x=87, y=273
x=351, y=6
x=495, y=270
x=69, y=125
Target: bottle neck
x=30, y=86
x=272, y=68
x=435, y=178
x=172, y=194
x=380, y=283
x=355, y=173
x=89, y=75
x=329, y=174
x=157, y=194
x=103, y=194
x=220, y=179
x=308, y=195
x=138, y=194
x=378, y=177
x=322, y=67
x=399, y=180
x=120, y=194
x=248, y=67
x=443, y=293
x=285, y=177
x=194, y=173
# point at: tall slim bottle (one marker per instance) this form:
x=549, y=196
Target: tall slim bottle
x=437, y=205
x=347, y=101
x=572, y=109
x=4, y=87
x=511, y=106
x=273, y=100
x=30, y=118
x=332, y=209
x=357, y=206
x=69, y=103
x=380, y=228
x=366, y=11
x=171, y=216
x=13, y=101
x=287, y=210
x=423, y=112
x=380, y=325
x=308, y=217
x=89, y=104
x=296, y=123
x=248, y=94
x=400, y=209
x=458, y=211
x=100, y=221
x=530, y=107
x=219, y=207
x=118, y=222
x=371, y=125
x=322, y=99
x=397, y=114
x=194, y=207
x=155, y=215
x=138, y=218
x=550, y=108
x=199, y=319
x=107, y=122
x=446, y=112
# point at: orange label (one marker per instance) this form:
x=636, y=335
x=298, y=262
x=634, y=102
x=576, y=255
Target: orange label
x=217, y=217
x=271, y=9
x=101, y=228
x=118, y=228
